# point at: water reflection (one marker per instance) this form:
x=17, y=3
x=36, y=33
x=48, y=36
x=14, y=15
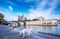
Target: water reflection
x=48, y=29
x=58, y=29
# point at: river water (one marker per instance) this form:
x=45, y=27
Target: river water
x=47, y=29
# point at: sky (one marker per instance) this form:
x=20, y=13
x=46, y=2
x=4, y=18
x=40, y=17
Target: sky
x=49, y=9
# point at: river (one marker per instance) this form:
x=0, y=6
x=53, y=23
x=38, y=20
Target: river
x=47, y=29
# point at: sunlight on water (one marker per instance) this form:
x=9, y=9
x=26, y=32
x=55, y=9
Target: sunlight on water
x=48, y=29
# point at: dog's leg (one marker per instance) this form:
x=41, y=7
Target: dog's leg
x=29, y=34
x=23, y=35
x=20, y=33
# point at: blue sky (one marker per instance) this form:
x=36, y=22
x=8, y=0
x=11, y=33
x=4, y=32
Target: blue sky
x=49, y=9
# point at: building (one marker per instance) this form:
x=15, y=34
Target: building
x=39, y=18
x=41, y=21
x=21, y=18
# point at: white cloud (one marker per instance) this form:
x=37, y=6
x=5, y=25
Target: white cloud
x=10, y=8
x=29, y=0
x=44, y=13
x=32, y=6
x=42, y=4
x=36, y=1
x=11, y=3
x=20, y=0
x=9, y=15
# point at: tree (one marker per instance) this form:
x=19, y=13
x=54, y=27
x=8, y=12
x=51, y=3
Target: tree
x=2, y=18
x=58, y=21
x=35, y=19
x=1, y=15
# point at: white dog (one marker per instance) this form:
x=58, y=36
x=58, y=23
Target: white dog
x=26, y=32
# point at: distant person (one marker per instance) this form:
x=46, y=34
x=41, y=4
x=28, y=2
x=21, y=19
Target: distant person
x=19, y=24
x=24, y=24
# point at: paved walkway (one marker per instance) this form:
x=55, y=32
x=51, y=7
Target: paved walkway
x=41, y=36
x=44, y=36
